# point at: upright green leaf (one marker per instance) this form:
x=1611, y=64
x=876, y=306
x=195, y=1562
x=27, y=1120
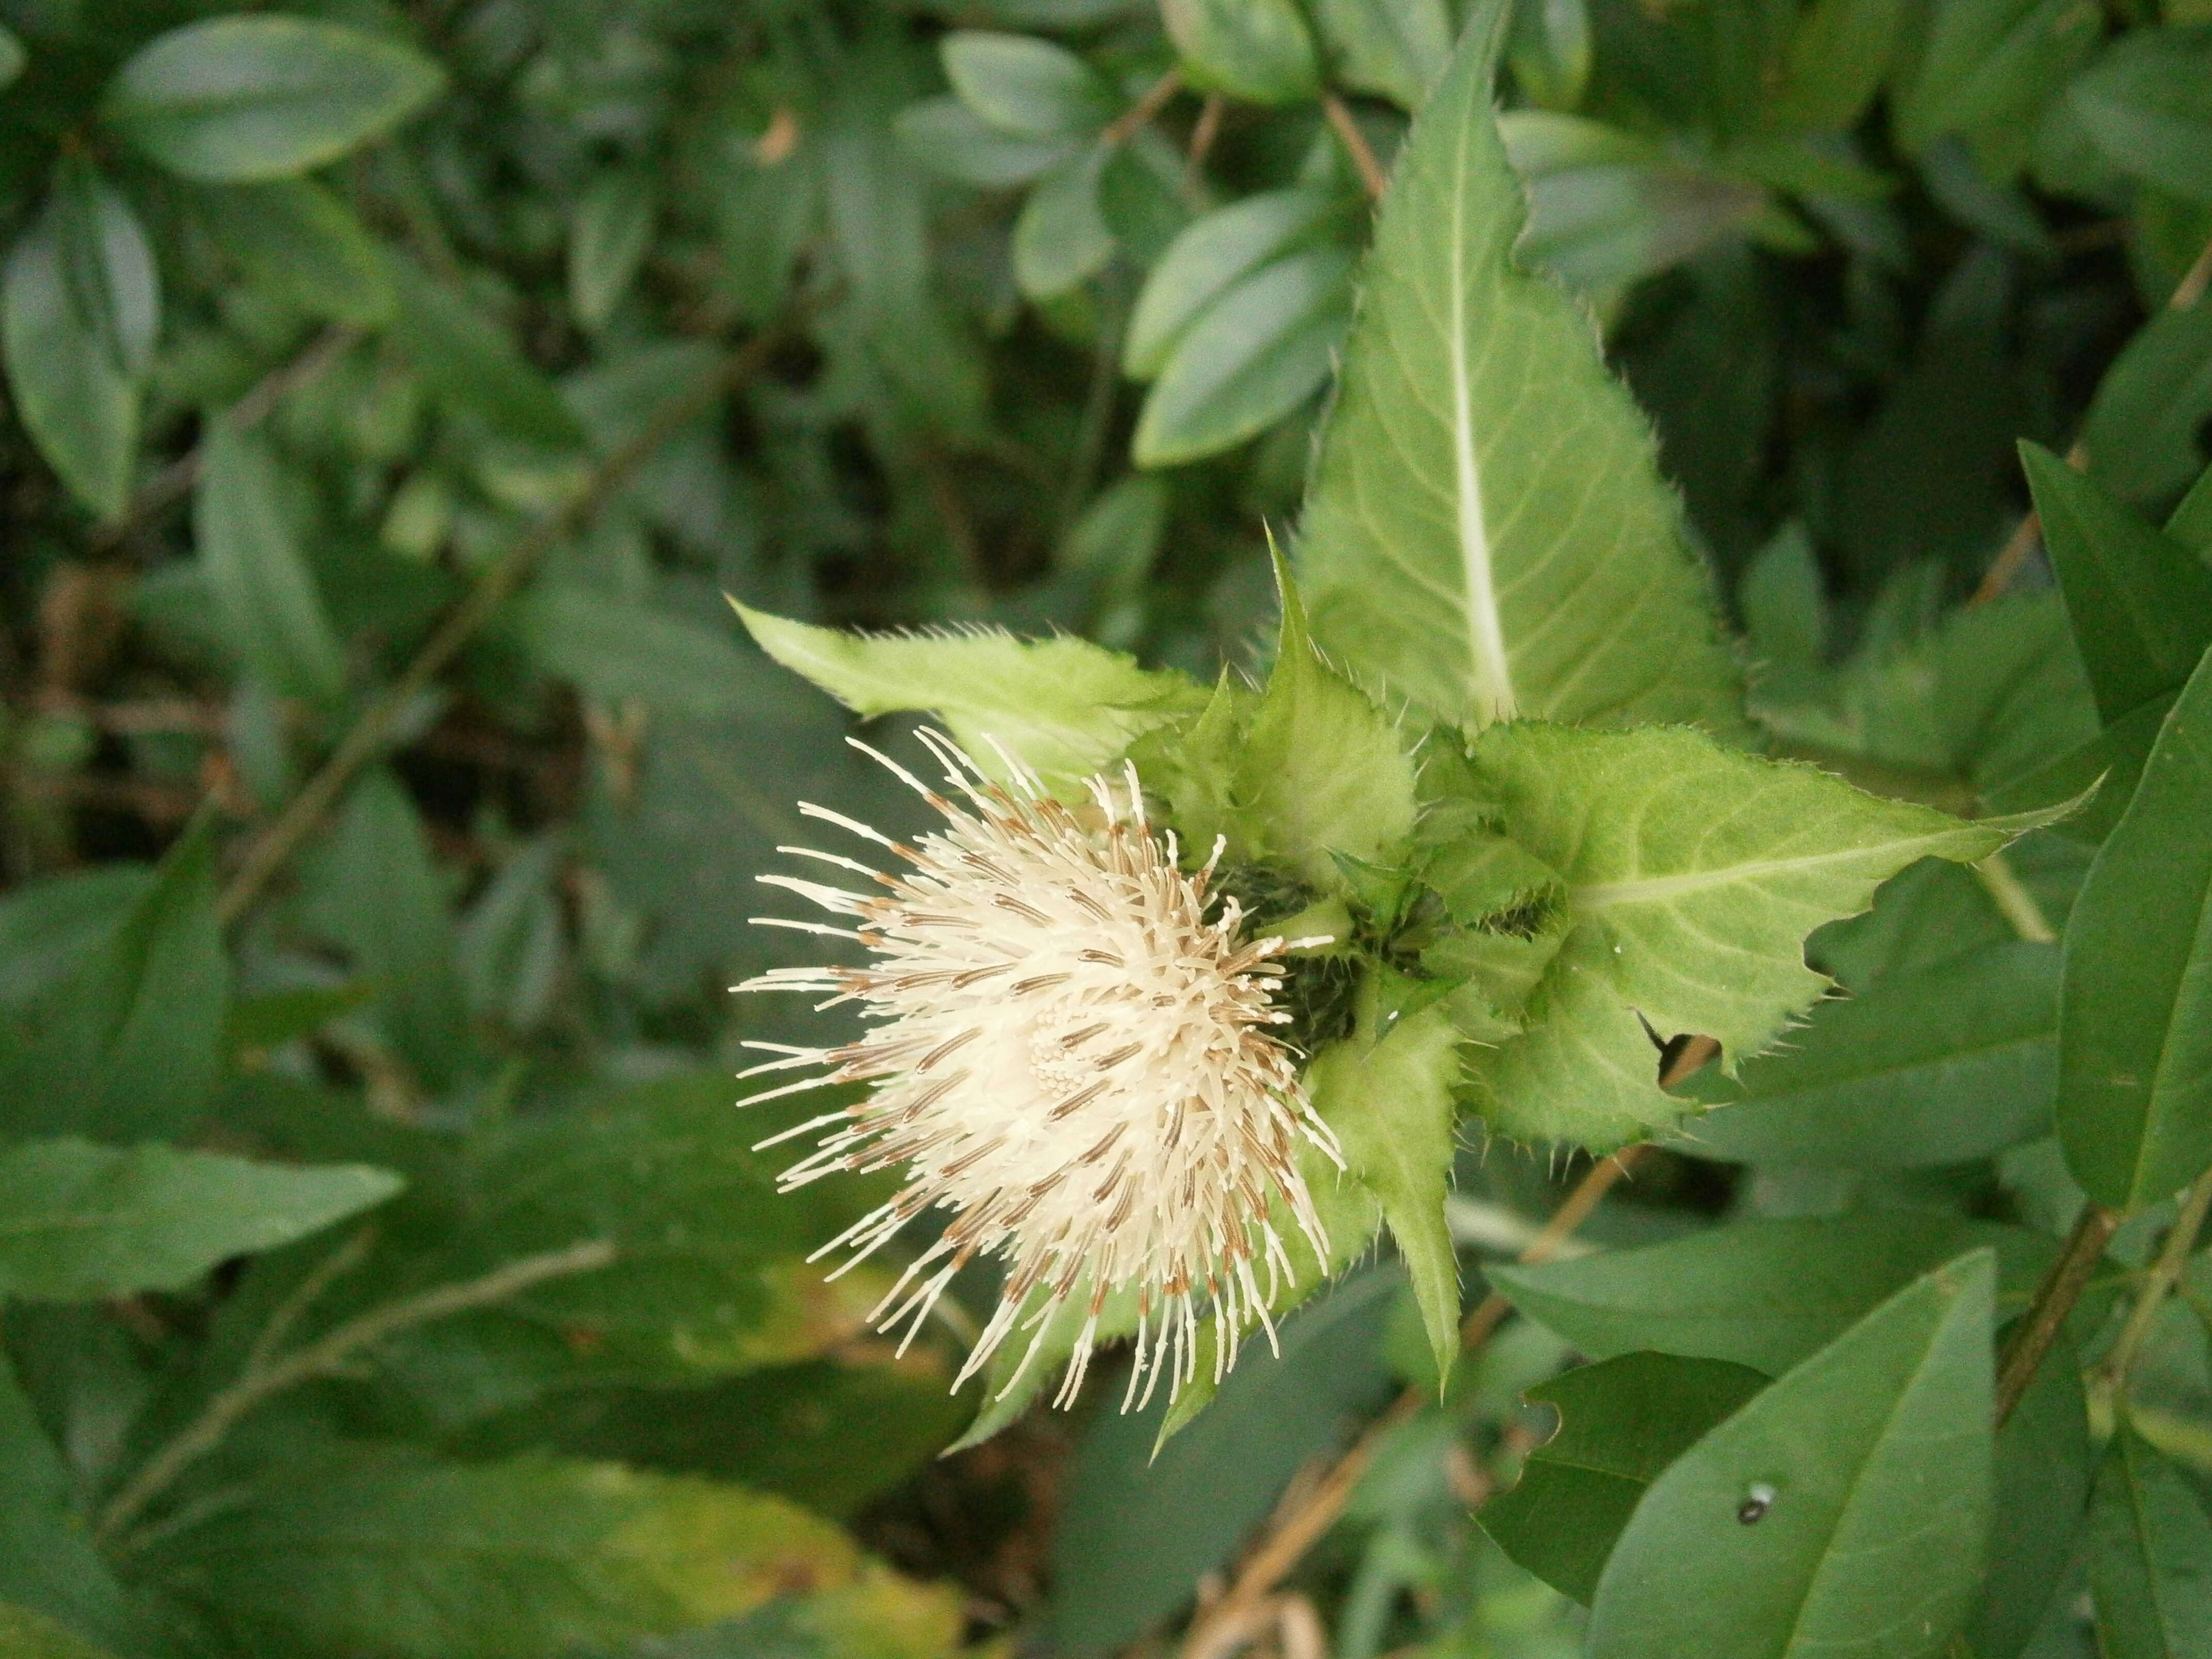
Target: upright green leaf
x=1261, y=51
x=79, y=1222
x=2151, y=1542
x=1622, y=1421
x=2141, y=606
x=2135, y=1006
x=2140, y=430
x=79, y=405
x=1846, y=1509
x=47, y=1563
x=2147, y=104
x=264, y=588
x=300, y=240
x=238, y=98
x=1486, y=533
x=471, y=363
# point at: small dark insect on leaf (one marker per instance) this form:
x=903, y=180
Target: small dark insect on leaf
x=1756, y=1502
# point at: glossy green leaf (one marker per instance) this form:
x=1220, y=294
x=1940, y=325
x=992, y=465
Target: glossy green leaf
x=2146, y=101
x=85, y=1221
x=1254, y=354
x=1214, y=254
x=235, y=99
x=300, y=240
x=1681, y=916
x=1622, y=1421
x=1062, y=238
x=471, y=363
x=1988, y=64
x=1394, y=49
x=1065, y=706
x=1025, y=86
x=2150, y=1564
x=47, y=1562
x=1261, y=51
x=71, y=395
x=2140, y=604
x=2141, y=431
x=1763, y=1294
x=1947, y=1065
x=2134, y=1007
x=608, y=240
x=1838, y=54
x=265, y=592
x=1486, y=533
x=1865, y=1474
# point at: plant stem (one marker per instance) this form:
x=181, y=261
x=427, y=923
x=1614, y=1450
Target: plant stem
x=1355, y=142
x=1154, y=100
x=2165, y=1274
x=263, y=1379
x=2054, y=1298
x=2004, y=887
x=367, y=734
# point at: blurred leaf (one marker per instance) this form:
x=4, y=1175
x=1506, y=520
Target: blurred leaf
x=2142, y=431
x=46, y=926
x=1622, y=1421
x=74, y=400
x=1869, y=1466
x=1065, y=706
x=1260, y=51
x=47, y=1563
x=1992, y=64
x=1486, y=533
x=1026, y=87
x=2043, y=1484
x=1216, y=253
x=232, y=99
x=1765, y=1294
x=608, y=241
x=1394, y=48
x=86, y=1222
x=2135, y=1010
x=2151, y=1542
x=1684, y=916
x=263, y=589
x=1838, y=52
x=511, y=945
x=1549, y=47
x=614, y=650
x=1945, y=1066
x=298, y=240
x=470, y=362
x=108, y=264
x=2141, y=606
x=2148, y=103
x=128, y=1046
x=259, y=1024
x=953, y=141
x=1138, y=1530
x=375, y=1548
x=2191, y=521
x=27, y=1635
x=1061, y=237
x=1256, y=352
x=13, y=57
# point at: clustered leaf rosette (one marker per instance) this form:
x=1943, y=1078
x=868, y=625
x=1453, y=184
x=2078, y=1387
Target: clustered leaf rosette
x=1072, y=1048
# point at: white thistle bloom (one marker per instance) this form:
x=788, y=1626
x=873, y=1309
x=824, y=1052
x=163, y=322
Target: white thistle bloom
x=1071, y=1056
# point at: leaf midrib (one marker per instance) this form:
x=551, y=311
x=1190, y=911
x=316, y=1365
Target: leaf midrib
x=1653, y=890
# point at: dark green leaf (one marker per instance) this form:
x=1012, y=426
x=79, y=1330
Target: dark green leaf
x=1837, y=55
x=299, y=240
x=2135, y=1009
x=259, y=1024
x=76, y=401
x=12, y=57
x=1847, y=1506
x=1261, y=51
x=2147, y=104
x=85, y=1221
x=1990, y=65
x=235, y=99
x=2043, y=1481
x=470, y=362
x=27, y=1635
x=2150, y=1566
x=263, y=589
x=46, y=926
x=2141, y=433
x=1025, y=86
x=47, y=1563
x=608, y=240
x=1622, y=1421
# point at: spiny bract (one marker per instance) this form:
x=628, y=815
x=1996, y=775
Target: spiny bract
x=1072, y=1058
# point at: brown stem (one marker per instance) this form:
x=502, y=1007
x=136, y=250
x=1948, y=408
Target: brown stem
x=1155, y=99
x=367, y=734
x=1355, y=142
x=2165, y=1274
x=1202, y=139
x=2054, y=1298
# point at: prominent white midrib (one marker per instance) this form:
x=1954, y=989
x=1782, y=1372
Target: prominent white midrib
x=1485, y=628
x=1655, y=890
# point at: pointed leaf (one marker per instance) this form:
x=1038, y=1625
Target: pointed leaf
x=1487, y=533
x=1062, y=238
x=1844, y=1510
x=265, y=592
x=2141, y=432
x=607, y=242
x=2146, y=101
x=2149, y=1568
x=108, y=264
x=2135, y=1006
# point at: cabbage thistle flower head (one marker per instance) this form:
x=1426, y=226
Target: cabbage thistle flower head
x=1071, y=1055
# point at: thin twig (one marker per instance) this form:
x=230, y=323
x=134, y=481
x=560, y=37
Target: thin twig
x=1201, y=140
x=1355, y=142
x=303, y=1296
x=2010, y=895
x=1302, y=1526
x=1126, y=124
x=2055, y=1297
x=366, y=736
x=257, y=1384
x=2165, y=1274
x=174, y=482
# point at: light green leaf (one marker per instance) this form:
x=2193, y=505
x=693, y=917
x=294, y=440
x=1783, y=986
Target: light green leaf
x=1394, y=48
x=2134, y=1007
x=1866, y=1474
x=1213, y=255
x=1254, y=354
x=2147, y=104
x=80, y=1223
x=1487, y=533
x=1260, y=51
x=1062, y=238
x=235, y=99
x=264, y=592
x=1763, y=1294
x=1693, y=874
x=69, y=393
x=1066, y=707
x=1990, y=65
x=2043, y=1483
x=1024, y=86
x=607, y=242
x=47, y=1562
x=953, y=141
x=1387, y=1092
x=2148, y=1570
x=301, y=241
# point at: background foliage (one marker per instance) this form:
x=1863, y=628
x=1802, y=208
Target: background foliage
x=392, y=394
